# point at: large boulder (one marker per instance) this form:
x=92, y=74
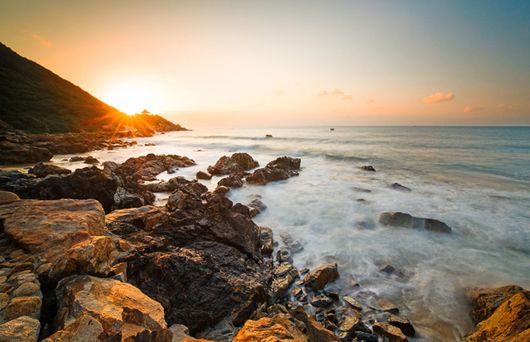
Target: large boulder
x=237, y=163
x=68, y=234
x=17, y=153
x=21, y=329
x=110, y=309
x=278, y=328
x=318, y=278
x=148, y=167
x=399, y=219
x=279, y=169
x=8, y=197
x=42, y=170
x=503, y=314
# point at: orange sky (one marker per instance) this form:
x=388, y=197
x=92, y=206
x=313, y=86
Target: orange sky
x=245, y=62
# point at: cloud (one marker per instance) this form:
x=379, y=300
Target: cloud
x=439, y=97
x=335, y=93
x=41, y=40
x=471, y=109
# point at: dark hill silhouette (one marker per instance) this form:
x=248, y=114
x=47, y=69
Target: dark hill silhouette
x=34, y=99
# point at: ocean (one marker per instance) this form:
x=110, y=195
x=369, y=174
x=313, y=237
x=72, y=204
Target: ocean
x=475, y=179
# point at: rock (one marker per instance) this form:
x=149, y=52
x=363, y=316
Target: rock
x=257, y=204
x=279, y=169
x=147, y=167
x=277, y=328
x=369, y=168
x=16, y=153
x=284, y=275
x=321, y=276
x=23, y=306
x=8, y=197
x=353, y=303
x=266, y=240
x=321, y=301
x=42, y=170
x=349, y=325
x=510, y=319
x=485, y=301
x=232, y=181
x=131, y=220
x=67, y=233
x=237, y=163
x=386, y=305
x=403, y=324
x=389, y=331
x=21, y=329
x=121, y=309
x=292, y=245
x=181, y=334
x=76, y=159
x=397, y=186
x=315, y=331
x=91, y=160
x=391, y=270
x=203, y=175
x=408, y=221
x=89, y=182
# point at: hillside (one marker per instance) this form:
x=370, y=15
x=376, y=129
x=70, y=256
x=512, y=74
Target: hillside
x=34, y=99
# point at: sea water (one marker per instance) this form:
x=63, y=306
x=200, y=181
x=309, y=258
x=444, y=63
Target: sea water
x=475, y=179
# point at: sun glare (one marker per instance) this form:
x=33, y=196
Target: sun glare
x=132, y=97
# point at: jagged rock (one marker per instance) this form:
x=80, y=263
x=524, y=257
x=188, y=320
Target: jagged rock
x=266, y=240
x=403, y=324
x=8, y=197
x=279, y=169
x=389, y=269
x=42, y=170
x=203, y=175
x=237, y=163
x=353, y=303
x=21, y=329
x=277, y=328
x=91, y=160
x=383, y=304
x=114, y=309
x=315, y=331
x=16, y=153
x=349, y=325
x=232, y=181
x=400, y=219
x=177, y=183
x=76, y=159
x=321, y=301
x=148, y=167
x=389, y=331
x=284, y=275
x=397, y=186
x=321, y=276
x=131, y=220
x=505, y=315
x=67, y=233
x=123, y=198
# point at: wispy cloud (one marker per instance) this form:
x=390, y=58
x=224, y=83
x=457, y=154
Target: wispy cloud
x=472, y=109
x=439, y=97
x=335, y=93
x=41, y=40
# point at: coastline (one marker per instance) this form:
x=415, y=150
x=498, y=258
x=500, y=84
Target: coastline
x=280, y=273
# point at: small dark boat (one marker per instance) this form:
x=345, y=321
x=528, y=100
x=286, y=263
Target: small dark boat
x=332, y=129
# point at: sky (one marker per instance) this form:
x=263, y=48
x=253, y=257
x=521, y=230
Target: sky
x=288, y=62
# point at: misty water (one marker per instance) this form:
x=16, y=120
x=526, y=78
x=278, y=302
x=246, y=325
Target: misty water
x=477, y=180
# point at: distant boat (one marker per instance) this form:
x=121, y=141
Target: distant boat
x=268, y=136
x=332, y=129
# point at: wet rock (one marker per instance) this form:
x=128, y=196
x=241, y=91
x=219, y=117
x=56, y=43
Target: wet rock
x=284, y=275
x=42, y=170
x=383, y=304
x=232, y=181
x=321, y=276
x=203, y=175
x=8, y=197
x=484, y=301
x=237, y=163
x=181, y=334
x=397, y=186
x=266, y=240
x=403, y=324
x=16, y=153
x=277, y=328
x=391, y=270
x=348, y=326
x=510, y=319
x=67, y=233
x=369, y=168
x=147, y=167
x=258, y=205
x=283, y=255
x=389, y=331
x=353, y=303
x=314, y=330
x=279, y=169
x=21, y=329
x=400, y=219
x=321, y=301
x=363, y=190
x=76, y=159
x=119, y=309
x=91, y=160
x=292, y=245
x=362, y=336
x=131, y=220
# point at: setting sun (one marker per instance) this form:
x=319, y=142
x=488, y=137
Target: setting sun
x=132, y=97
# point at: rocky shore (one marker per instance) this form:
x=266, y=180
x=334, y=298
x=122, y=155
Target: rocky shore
x=87, y=256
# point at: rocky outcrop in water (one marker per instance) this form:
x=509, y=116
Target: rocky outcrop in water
x=146, y=168
x=399, y=219
x=279, y=169
x=501, y=314
x=42, y=170
x=236, y=163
